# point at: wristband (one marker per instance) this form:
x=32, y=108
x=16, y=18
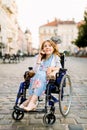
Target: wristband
x=38, y=63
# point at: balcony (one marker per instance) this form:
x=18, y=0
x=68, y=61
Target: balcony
x=10, y=6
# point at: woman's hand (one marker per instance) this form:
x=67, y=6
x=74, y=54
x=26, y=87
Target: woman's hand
x=49, y=70
x=41, y=53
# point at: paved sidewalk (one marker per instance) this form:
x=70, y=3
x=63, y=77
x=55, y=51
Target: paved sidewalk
x=10, y=77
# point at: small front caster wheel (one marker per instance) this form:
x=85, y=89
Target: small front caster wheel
x=17, y=114
x=49, y=119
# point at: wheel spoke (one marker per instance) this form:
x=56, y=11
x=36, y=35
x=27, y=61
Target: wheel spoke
x=65, y=95
x=49, y=119
x=17, y=115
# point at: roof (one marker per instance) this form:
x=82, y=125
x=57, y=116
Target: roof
x=57, y=22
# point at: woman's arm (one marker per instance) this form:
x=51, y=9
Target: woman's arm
x=51, y=69
x=55, y=66
x=38, y=61
x=58, y=62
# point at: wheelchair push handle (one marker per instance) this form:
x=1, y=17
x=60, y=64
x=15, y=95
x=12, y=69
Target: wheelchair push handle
x=30, y=68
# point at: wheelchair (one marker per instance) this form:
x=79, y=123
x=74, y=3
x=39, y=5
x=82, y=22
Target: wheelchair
x=61, y=87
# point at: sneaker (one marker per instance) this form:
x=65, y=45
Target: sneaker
x=21, y=106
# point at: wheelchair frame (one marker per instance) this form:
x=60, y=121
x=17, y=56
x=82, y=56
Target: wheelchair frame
x=61, y=86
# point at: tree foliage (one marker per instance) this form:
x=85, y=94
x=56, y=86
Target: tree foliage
x=81, y=40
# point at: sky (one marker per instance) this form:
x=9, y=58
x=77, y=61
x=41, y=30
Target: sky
x=34, y=13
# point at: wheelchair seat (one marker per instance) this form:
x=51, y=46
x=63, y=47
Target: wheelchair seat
x=55, y=83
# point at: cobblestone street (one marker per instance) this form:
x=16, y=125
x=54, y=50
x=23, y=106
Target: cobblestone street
x=10, y=77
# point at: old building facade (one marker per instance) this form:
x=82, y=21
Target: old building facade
x=28, y=38
x=8, y=25
x=66, y=31
x=12, y=38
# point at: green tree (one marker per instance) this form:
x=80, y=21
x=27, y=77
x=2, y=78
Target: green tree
x=81, y=40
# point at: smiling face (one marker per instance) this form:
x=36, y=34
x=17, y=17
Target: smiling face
x=48, y=48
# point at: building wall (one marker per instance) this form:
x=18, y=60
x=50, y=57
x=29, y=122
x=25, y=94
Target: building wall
x=66, y=31
x=11, y=35
x=28, y=37
x=9, y=26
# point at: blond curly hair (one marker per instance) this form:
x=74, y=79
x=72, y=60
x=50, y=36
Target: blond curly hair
x=56, y=51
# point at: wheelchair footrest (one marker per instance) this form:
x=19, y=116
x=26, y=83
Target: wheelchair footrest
x=31, y=112
x=37, y=111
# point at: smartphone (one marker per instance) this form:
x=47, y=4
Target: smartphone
x=42, y=52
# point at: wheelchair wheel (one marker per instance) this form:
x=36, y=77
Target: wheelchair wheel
x=49, y=119
x=17, y=115
x=65, y=95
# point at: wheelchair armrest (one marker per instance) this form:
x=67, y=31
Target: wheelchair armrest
x=60, y=75
x=62, y=71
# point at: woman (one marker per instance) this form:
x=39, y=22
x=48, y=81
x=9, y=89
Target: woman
x=48, y=61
